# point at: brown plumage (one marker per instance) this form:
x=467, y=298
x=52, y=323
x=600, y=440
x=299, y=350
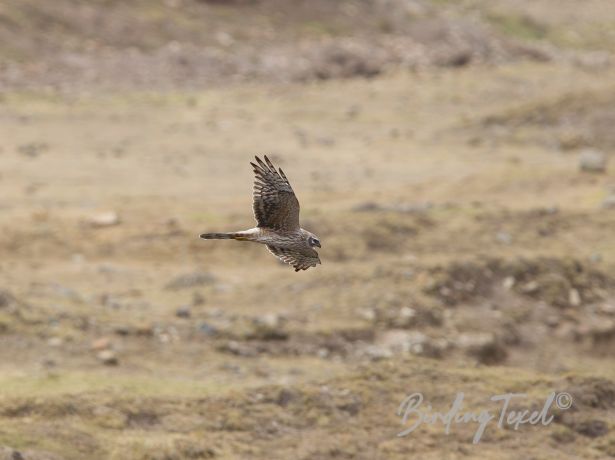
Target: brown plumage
x=276, y=210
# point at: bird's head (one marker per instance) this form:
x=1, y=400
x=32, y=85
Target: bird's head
x=313, y=240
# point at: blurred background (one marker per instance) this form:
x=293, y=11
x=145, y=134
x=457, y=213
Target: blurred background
x=452, y=156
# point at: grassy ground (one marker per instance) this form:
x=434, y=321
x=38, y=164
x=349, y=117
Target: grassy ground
x=172, y=166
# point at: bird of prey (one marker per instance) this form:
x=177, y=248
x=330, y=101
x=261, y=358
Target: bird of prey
x=276, y=210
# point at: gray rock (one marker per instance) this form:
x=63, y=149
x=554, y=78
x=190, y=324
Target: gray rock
x=595, y=258
x=207, y=329
x=609, y=202
x=238, y=349
x=108, y=358
x=269, y=320
x=269, y=326
x=183, y=312
x=406, y=317
x=574, y=297
x=508, y=283
x=368, y=314
x=415, y=342
x=55, y=342
x=530, y=287
x=592, y=161
x=104, y=219
x=377, y=353
x=503, y=237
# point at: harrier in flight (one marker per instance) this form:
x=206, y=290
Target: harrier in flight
x=276, y=210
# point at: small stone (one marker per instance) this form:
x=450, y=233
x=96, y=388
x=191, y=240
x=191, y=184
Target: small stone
x=377, y=353
x=508, y=282
x=238, y=349
x=407, y=312
x=530, y=287
x=207, y=329
x=609, y=202
x=595, y=258
x=368, y=314
x=55, y=342
x=102, y=343
x=574, y=298
x=406, y=317
x=183, y=312
x=104, y=219
x=268, y=327
x=503, y=237
x=224, y=38
x=108, y=358
x=415, y=342
x=77, y=259
x=592, y=161
x=270, y=320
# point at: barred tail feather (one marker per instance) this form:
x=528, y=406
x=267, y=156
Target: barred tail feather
x=218, y=236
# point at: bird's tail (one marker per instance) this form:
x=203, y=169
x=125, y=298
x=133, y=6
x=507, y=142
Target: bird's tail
x=220, y=236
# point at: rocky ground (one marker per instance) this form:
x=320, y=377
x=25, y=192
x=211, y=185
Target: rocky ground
x=455, y=165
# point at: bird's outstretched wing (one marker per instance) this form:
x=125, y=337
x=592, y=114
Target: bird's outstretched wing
x=300, y=259
x=275, y=204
